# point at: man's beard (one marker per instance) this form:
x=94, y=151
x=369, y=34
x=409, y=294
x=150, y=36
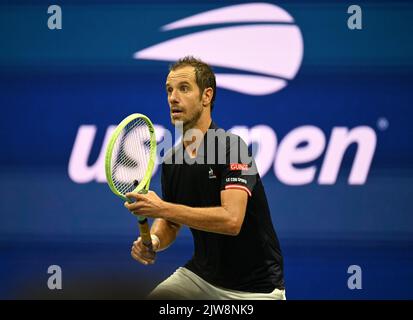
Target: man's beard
x=193, y=121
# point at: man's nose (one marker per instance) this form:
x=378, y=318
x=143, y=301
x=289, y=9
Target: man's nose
x=173, y=97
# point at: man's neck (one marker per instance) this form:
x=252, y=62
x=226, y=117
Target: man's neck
x=202, y=127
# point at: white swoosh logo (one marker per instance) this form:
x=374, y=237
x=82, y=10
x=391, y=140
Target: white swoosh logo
x=250, y=12
x=273, y=51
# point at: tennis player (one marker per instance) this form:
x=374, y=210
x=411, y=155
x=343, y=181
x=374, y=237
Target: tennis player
x=236, y=250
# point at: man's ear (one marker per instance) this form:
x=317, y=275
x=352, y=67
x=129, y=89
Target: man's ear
x=207, y=96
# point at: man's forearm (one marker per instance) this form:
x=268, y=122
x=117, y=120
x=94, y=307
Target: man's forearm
x=212, y=219
x=166, y=231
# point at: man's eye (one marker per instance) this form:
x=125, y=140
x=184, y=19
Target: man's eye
x=184, y=88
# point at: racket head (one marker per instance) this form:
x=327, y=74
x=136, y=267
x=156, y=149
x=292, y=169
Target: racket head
x=130, y=156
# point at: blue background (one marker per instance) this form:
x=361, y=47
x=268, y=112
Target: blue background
x=52, y=82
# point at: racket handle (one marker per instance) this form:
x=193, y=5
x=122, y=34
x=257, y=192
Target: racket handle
x=145, y=233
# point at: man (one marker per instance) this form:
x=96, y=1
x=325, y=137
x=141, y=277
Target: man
x=223, y=202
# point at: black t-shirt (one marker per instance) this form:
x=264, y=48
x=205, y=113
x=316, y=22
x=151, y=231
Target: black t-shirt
x=250, y=261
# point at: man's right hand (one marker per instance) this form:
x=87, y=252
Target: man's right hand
x=142, y=253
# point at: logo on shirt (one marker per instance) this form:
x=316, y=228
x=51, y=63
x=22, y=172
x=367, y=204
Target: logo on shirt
x=238, y=166
x=211, y=174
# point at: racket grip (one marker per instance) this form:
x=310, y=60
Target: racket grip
x=145, y=233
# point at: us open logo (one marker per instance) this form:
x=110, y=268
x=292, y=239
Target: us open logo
x=264, y=50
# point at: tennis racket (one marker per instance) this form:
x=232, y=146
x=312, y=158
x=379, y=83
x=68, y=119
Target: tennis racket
x=130, y=157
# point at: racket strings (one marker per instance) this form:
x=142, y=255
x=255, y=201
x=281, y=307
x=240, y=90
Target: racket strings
x=130, y=157
x=129, y=169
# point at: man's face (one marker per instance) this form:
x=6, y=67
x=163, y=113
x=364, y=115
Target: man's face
x=184, y=96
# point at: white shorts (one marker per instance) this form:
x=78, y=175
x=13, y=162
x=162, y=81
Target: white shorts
x=183, y=284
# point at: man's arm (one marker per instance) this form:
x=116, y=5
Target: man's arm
x=225, y=219
x=166, y=231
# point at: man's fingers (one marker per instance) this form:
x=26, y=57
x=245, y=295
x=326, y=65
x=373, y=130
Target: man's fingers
x=147, y=254
x=142, y=253
x=133, y=206
x=131, y=195
x=136, y=250
x=138, y=258
x=135, y=196
x=142, y=259
x=138, y=201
